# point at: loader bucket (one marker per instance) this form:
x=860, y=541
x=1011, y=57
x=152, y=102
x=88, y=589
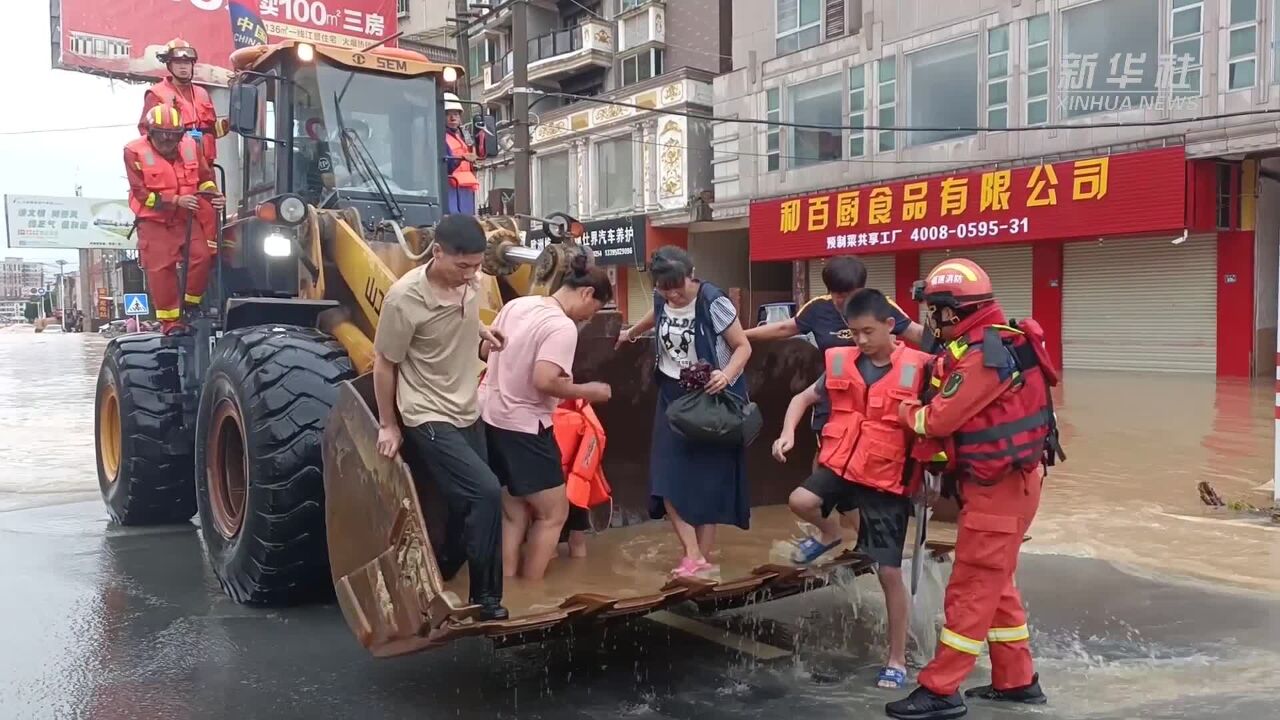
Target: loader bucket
x=384, y=518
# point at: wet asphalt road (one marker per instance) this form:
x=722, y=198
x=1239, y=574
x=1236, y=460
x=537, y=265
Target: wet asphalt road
x=106, y=623
x=103, y=622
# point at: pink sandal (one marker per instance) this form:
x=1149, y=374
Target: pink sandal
x=689, y=567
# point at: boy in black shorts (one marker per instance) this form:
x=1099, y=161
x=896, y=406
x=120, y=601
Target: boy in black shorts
x=864, y=459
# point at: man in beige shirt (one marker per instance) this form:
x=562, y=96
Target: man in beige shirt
x=425, y=373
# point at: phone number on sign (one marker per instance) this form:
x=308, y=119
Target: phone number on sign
x=1016, y=226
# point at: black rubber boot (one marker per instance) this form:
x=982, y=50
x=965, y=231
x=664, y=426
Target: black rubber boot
x=922, y=704
x=491, y=609
x=1027, y=694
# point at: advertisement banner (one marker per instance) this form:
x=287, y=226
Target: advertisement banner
x=121, y=37
x=68, y=223
x=617, y=241
x=1127, y=194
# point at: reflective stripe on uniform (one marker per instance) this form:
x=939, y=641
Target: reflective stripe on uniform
x=168, y=314
x=149, y=158
x=208, y=185
x=1009, y=634
x=188, y=151
x=917, y=423
x=956, y=641
x=193, y=299
x=957, y=348
x=908, y=376
x=837, y=365
x=152, y=200
x=936, y=382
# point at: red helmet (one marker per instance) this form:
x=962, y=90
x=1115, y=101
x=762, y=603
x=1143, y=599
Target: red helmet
x=957, y=283
x=164, y=119
x=177, y=49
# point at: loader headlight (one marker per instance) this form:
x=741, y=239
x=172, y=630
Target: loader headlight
x=277, y=244
x=306, y=52
x=286, y=209
x=450, y=74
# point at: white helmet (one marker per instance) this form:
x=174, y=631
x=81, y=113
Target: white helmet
x=451, y=102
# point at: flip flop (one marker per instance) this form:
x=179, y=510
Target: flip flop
x=891, y=678
x=810, y=549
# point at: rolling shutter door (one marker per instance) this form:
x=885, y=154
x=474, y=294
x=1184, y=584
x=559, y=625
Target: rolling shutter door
x=879, y=274
x=1008, y=266
x=1140, y=305
x=639, y=294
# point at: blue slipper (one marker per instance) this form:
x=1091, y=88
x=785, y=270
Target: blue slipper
x=810, y=549
x=891, y=678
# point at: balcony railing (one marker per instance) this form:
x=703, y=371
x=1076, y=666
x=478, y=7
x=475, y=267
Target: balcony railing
x=591, y=36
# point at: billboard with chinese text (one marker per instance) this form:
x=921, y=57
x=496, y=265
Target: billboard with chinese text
x=616, y=241
x=68, y=223
x=120, y=38
x=1127, y=194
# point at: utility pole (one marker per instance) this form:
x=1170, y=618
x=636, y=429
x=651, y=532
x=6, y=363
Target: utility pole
x=460, y=12
x=62, y=290
x=520, y=90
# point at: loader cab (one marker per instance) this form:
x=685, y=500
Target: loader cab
x=337, y=129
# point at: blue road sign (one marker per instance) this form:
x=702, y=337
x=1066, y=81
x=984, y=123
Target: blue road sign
x=136, y=304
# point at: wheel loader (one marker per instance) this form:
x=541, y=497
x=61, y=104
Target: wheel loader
x=262, y=420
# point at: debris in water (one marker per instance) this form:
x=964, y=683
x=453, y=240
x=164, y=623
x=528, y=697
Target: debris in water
x=1208, y=495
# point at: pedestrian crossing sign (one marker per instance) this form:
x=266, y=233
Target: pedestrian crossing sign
x=136, y=304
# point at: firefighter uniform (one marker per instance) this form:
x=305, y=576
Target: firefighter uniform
x=199, y=117
x=156, y=182
x=992, y=413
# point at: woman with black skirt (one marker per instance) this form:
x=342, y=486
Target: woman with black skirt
x=696, y=485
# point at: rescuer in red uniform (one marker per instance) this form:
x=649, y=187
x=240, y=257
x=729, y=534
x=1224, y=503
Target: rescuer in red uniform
x=199, y=118
x=993, y=416
x=166, y=176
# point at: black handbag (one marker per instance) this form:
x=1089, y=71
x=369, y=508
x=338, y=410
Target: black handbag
x=722, y=419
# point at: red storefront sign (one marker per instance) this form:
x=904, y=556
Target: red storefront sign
x=1127, y=194
x=121, y=37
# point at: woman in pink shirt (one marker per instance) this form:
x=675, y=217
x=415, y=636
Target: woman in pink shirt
x=521, y=388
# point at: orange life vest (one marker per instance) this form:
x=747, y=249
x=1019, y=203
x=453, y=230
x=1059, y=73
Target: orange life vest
x=1018, y=431
x=581, y=439
x=463, y=176
x=863, y=441
x=197, y=111
x=161, y=176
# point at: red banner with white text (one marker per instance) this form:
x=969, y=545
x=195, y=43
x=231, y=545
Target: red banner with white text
x=1108, y=195
x=120, y=38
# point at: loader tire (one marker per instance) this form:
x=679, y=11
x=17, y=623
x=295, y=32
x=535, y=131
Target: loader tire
x=144, y=461
x=259, y=479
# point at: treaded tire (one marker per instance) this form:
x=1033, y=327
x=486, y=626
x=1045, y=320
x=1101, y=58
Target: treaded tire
x=279, y=383
x=153, y=484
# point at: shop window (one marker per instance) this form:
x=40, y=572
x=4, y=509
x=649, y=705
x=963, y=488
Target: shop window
x=857, y=110
x=1186, y=47
x=1228, y=181
x=613, y=175
x=1110, y=56
x=638, y=68
x=1037, y=60
x=1242, y=45
x=773, y=135
x=799, y=25
x=998, y=77
x=553, y=183
x=816, y=102
x=942, y=83
x=886, y=102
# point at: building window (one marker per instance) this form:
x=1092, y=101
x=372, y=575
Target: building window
x=625, y=5
x=887, y=102
x=943, y=83
x=816, y=103
x=553, y=183
x=857, y=110
x=998, y=77
x=773, y=135
x=1038, y=70
x=1110, y=56
x=1242, y=45
x=799, y=24
x=613, y=175
x=402, y=8
x=1185, y=48
x=646, y=65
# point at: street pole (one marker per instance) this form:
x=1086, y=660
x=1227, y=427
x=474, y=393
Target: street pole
x=460, y=11
x=62, y=291
x=520, y=90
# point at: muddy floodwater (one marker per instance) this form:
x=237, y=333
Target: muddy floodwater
x=1144, y=602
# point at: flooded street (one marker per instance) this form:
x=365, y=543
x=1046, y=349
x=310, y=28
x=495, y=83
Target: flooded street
x=1143, y=602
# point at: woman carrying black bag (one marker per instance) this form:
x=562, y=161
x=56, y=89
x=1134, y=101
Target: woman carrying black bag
x=698, y=485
